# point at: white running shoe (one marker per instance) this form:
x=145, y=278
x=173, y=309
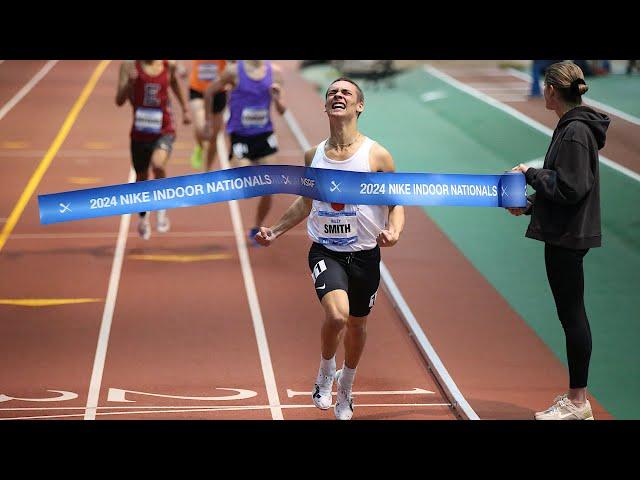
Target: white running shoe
x=343, y=408
x=565, y=409
x=144, y=227
x=163, y=225
x=322, y=391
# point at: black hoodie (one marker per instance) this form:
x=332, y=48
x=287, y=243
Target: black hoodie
x=565, y=209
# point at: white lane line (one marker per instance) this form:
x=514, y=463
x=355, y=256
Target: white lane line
x=27, y=88
x=111, y=153
x=405, y=312
x=499, y=86
x=510, y=98
x=252, y=295
x=431, y=96
x=415, y=391
x=520, y=116
x=535, y=163
x=589, y=101
x=62, y=236
x=220, y=409
x=107, y=315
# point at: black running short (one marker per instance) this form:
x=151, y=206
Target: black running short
x=254, y=147
x=357, y=273
x=141, y=151
x=219, y=99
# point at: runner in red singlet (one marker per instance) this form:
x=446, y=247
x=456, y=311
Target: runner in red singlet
x=146, y=83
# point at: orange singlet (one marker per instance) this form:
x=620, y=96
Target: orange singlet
x=203, y=72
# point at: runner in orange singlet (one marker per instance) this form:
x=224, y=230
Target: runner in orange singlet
x=203, y=72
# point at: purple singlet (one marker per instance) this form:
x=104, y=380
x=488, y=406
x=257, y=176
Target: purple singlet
x=249, y=104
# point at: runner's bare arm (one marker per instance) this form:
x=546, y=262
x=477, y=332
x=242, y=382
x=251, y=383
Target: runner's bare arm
x=227, y=78
x=382, y=161
x=277, y=90
x=177, y=90
x=125, y=81
x=297, y=212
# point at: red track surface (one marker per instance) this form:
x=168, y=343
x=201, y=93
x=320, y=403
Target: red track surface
x=180, y=329
x=185, y=329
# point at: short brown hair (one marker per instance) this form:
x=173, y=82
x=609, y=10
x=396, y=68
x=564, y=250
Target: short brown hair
x=568, y=78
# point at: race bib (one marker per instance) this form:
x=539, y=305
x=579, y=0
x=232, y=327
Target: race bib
x=148, y=120
x=338, y=228
x=254, y=117
x=207, y=72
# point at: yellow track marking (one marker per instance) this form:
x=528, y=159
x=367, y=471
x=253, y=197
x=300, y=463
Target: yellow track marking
x=46, y=302
x=35, y=179
x=181, y=258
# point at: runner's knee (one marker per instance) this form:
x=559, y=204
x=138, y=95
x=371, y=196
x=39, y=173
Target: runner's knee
x=336, y=320
x=358, y=324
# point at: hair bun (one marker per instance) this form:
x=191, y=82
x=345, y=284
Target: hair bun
x=577, y=88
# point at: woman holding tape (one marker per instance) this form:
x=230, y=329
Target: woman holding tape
x=565, y=214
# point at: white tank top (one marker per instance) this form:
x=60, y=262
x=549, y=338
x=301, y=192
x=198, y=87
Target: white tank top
x=340, y=227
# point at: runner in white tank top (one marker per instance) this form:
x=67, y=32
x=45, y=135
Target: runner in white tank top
x=344, y=257
x=340, y=227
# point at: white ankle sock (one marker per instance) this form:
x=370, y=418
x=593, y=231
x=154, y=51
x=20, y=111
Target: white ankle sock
x=328, y=367
x=347, y=376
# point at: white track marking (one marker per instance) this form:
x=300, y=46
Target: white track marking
x=535, y=163
x=107, y=315
x=415, y=391
x=437, y=367
x=252, y=295
x=59, y=236
x=120, y=395
x=27, y=88
x=515, y=113
x=90, y=153
x=600, y=105
x=64, y=396
x=433, y=95
x=160, y=409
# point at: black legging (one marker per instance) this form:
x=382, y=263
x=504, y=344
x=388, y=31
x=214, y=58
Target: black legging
x=566, y=279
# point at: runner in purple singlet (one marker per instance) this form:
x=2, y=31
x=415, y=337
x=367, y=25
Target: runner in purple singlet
x=256, y=85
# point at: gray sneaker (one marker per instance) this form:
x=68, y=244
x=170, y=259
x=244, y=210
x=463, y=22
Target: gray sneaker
x=565, y=409
x=144, y=227
x=321, y=395
x=163, y=225
x=343, y=408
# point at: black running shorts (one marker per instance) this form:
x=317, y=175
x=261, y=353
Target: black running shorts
x=219, y=99
x=357, y=273
x=254, y=147
x=141, y=151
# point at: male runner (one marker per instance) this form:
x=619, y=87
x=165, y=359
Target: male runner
x=345, y=261
x=256, y=85
x=145, y=83
x=203, y=72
